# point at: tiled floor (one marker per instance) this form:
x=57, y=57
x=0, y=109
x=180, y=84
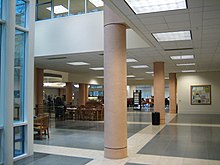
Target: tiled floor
x=187, y=140
x=48, y=159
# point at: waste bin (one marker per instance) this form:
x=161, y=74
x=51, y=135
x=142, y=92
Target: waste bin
x=155, y=118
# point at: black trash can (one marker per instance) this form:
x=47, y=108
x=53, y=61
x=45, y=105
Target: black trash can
x=155, y=118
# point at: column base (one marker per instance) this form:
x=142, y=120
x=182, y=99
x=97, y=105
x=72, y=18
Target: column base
x=162, y=121
x=112, y=153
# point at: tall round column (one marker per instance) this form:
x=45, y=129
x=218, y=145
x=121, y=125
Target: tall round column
x=159, y=90
x=86, y=93
x=115, y=82
x=40, y=81
x=172, y=91
x=82, y=100
x=69, y=92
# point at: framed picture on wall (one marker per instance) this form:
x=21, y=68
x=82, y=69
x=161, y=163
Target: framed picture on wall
x=200, y=94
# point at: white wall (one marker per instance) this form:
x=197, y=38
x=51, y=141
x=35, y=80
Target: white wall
x=184, y=81
x=130, y=89
x=76, y=34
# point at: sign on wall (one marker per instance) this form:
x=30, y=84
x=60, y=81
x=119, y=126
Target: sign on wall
x=200, y=94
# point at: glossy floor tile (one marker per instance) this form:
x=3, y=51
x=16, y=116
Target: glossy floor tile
x=185, y=141
x=86, y=135
x=188, y=140
x=197, y=119
x=48, y=159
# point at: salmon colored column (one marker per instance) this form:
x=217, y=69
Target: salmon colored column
x=86, y=93
x=115, y=82
x=82, y=100
x=172, y=90
x=69, y=92
x=40, y=80
x=159, y=92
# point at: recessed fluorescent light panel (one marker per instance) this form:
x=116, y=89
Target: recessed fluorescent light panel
x=182, y=57
x=150, y=6
x=140, y=66
x=58, y=9
x=130, y=76
x=139, y=78
x=173, y=36
x=99, y=68
x=97, y=3
x=149, y=72
x=99, y=76
x=187, y=71
x=78, y=63
x=131, y=60
x=186, y=64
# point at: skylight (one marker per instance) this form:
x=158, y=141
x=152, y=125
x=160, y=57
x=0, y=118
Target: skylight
x=150, y=6
x=186, y=64
x=58, y=9
x=131, y=60
x=98, y=68
x=97, y=3
x=140, y=66
x=173, y=36
x=182, y=57
x=78, y=63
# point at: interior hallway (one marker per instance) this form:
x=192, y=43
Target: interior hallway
x=184, y=140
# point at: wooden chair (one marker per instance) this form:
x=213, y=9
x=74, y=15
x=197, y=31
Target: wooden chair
x=41, y=125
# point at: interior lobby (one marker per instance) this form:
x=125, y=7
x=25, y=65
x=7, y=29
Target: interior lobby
x=124, y=82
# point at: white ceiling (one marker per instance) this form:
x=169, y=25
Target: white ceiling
x=203, y=19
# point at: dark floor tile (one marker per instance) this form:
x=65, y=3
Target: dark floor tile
x=185, y=141
x=139, y=117
x=197, y=119
x=134, y=164
x=83, y=134
x=47, y=159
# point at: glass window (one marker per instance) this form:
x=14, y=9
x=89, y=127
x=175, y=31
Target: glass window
x=60, y=8
x=21, y=13
x=44, y=11
x=19, y=62
x=18, y=141
x=0, y=8
x=0, y=71
x=77, y=7
x=1, y=149
x=93, y=7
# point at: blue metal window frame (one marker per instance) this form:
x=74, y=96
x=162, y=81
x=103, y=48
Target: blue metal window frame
x=20, y=93
x=21, y=139
x=22, y=5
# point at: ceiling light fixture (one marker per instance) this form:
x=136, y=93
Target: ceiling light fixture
x=131, y=60
x=98, y=68
x=182, y=57
x=187, y=71
x=55, y=85
x=140, y=66
x=59, y=9
x=130, y=76
x=97, y=3
x=99, y=76
x=186, y=64
x=139, y=78
x=78, y=63
x=150, y=6
x=173, y=36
